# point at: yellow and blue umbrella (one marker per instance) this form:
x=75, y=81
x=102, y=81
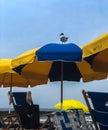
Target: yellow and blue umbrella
x=27, y=65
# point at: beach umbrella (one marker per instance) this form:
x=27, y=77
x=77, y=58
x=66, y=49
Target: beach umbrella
x=27, y=65
x=63, y=56
x=71, y=104
x=9, y=78
x=96, y=53
x=64, y=68
x=23, y=64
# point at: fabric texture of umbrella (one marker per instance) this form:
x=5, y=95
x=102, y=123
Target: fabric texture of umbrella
x=9, y=78
x=28, y=67
x=71, y=104
x=62, y=56
x=96, y=53
x=88, y=74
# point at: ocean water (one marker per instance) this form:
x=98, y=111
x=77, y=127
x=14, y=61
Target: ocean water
x=48, y=95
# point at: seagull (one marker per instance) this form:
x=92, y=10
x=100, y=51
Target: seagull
x=63, y=38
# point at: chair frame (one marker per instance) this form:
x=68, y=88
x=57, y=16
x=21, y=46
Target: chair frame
x=8, y=120
x=12, y=100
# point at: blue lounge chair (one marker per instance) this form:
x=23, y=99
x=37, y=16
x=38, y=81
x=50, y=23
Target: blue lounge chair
x=97, y=103
x=19, y=98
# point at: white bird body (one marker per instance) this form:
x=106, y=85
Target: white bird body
x=63, y=38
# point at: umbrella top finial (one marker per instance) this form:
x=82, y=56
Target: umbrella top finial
x=63, y=38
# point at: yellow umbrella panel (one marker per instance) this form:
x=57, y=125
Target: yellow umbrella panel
x=96, y=53
x=71, y=104
x=88, y=73
x=97, y=45
x=28, y=67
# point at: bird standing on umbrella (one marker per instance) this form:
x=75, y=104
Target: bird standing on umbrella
x=63, y=39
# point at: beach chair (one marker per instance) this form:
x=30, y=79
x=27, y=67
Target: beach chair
x=97, y=103
x=17, y=99
x=70, y=120
x=28, y=114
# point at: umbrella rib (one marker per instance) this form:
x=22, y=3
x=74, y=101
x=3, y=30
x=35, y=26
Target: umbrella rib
x=11, y=83
x=29, y=83
x=3, y=78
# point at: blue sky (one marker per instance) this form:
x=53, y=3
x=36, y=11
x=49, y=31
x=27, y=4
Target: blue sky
x=26, y=24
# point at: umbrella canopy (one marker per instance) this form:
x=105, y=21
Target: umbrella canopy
x=27, y=66
x=71, y=104
x=23, y=64
x=60, y=54
x=96, y=53
x=9, y=78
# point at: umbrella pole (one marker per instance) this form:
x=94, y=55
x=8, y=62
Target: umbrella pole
x=11, y=84
x=61, y=85
x=9, y=95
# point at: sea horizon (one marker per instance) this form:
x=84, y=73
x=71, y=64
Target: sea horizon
x=49, y=94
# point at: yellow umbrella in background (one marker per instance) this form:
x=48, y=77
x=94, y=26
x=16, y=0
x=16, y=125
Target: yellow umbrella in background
x=72, y=104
